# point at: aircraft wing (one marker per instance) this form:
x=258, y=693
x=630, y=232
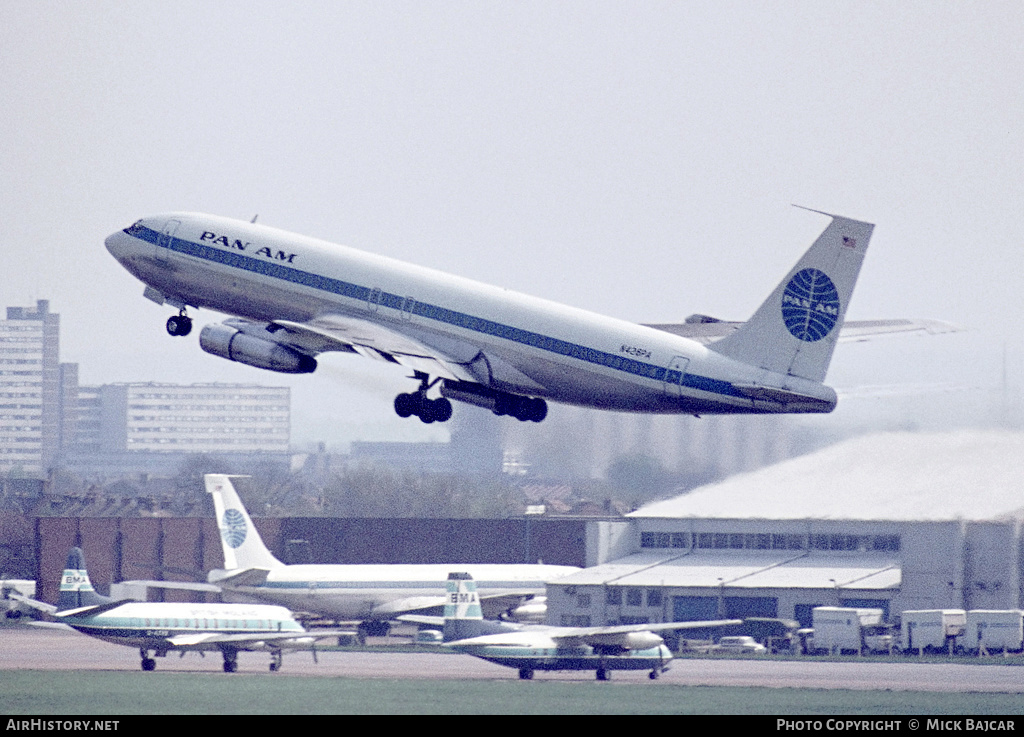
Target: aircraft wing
x=200, y=640
x=207, y=588
x=621, y=629
x=93, y=609
x=707, y=330
x=351, y=335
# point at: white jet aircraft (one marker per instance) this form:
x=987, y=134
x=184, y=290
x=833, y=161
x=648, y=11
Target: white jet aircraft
x=370, y=594
x=534, y=647
x=160, y=627
x=295, y=297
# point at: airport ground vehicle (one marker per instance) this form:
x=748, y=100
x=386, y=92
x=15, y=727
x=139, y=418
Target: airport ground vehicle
x=738, y=644
x=849, y=630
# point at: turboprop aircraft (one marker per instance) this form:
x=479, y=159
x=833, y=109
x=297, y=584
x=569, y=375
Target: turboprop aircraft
x=294, y=297
x=535, y=647
x=370, y=594
x=158, y=628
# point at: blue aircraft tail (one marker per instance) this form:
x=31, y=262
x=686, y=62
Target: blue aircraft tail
x=795, y=330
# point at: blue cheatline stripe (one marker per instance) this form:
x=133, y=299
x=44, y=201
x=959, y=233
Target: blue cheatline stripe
x=434, y=586
x=432, y=312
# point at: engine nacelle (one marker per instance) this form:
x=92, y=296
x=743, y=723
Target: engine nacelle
x=234, y=345
x=623, y=641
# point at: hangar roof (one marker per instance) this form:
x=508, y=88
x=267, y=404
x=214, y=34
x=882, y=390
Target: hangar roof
x=967, y=475
x=740, y=569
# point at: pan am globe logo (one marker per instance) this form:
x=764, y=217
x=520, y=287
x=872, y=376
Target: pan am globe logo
x=232, y=528
x=810, y=305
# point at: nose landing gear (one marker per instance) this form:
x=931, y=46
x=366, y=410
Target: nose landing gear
x=179, y=325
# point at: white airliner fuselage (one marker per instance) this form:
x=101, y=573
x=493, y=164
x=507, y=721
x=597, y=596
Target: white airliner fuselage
x=371, y=594
x=160, y=627
x=298, y=297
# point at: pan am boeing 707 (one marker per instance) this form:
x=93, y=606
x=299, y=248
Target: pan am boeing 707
x=294, y=297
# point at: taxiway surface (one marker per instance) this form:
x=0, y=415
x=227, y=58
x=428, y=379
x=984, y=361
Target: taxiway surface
x=33, y=648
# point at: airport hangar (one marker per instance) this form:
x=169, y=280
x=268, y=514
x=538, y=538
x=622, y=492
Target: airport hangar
x=901, y=521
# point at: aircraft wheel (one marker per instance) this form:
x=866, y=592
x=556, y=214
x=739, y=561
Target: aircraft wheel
x=425, y=411
x=230, y=666
x=653, y=675
x=404, y=405
x=179, y=325
x=148, y=664
x=602, y=674
x=538, y=410
x=274, y=667
x=441, y=409
x=525, y=674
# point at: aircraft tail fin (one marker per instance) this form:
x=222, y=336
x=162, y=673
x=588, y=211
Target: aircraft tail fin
x=75, y=587
x=463, y=616
x=795, y=330
x=242, y=545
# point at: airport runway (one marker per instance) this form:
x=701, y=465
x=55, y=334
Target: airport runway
x=49, y=649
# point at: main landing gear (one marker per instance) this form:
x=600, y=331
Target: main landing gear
x=148, y=663
x=524, y=409
x=417, y=403
x=179, y=325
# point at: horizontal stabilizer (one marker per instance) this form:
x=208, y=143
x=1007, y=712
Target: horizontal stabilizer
x=707, y=330
x=423, y=619
x=242, y=577
x=410, y=604
x=785, y=397
x=39, y=606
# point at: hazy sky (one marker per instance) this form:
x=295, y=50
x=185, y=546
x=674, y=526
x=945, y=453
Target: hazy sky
x=638, y=159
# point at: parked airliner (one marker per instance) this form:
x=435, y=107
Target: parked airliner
x=159, y=628
x=294, y=297
x=531, y=647
x=370, y=594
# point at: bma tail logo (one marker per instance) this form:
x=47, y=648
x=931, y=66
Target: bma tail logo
x=73, y=580
x=810, y=305
x=232, y=528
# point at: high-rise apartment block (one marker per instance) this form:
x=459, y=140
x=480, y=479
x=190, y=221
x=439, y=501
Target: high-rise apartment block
x=185, y=418
x=47, y=421
x=32, y=390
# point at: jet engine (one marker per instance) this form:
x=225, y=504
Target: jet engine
x=234, y=345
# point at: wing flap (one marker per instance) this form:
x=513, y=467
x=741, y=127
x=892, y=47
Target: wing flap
x=352, y=335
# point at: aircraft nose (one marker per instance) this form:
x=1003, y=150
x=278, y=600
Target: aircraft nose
x=116, y=245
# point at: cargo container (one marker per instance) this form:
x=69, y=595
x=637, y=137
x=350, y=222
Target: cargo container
x=990, y=630
x=931, y=630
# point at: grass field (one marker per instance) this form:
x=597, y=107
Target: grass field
x=102, y=693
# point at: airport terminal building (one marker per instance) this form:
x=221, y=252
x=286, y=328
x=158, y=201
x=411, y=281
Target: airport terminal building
x=900, y=521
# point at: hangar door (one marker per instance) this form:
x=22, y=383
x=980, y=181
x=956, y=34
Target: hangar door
x=690, y=608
